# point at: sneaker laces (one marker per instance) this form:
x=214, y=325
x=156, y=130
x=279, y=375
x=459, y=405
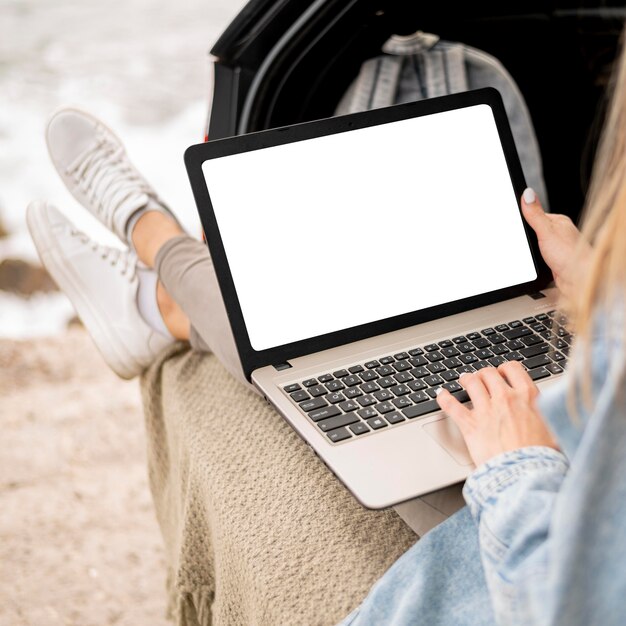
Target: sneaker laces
x=109, y=180
x=124, y=260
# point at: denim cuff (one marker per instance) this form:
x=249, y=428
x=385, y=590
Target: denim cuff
x=490, y=479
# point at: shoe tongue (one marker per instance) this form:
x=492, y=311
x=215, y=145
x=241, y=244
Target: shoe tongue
x=126, y=210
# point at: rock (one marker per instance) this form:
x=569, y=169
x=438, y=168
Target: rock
x=3, y=230
x=24, y=278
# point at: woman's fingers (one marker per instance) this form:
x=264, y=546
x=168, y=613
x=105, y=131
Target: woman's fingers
x=459, y=413
x=476, y=389
x=515, y=374
x=494, y=382
x=533, y=212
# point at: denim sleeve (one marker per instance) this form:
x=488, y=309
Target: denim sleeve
x=511, y=499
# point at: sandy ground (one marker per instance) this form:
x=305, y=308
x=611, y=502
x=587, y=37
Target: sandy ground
x=79, y=542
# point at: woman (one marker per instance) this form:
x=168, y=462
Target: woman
x=542, y=540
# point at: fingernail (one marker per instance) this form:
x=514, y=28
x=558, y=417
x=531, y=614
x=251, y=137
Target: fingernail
x=438, y=391
x=462, y=374
x=529, y=195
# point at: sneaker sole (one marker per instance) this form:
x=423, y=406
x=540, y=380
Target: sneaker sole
x=110, y=346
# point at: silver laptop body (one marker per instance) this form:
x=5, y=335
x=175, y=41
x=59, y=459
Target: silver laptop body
x=369, y=259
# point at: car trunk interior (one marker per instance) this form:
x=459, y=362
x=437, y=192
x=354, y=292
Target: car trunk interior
x=283, y=62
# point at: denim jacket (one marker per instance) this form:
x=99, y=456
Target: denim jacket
x=542, y=540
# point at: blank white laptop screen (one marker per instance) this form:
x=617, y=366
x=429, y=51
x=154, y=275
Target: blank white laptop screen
x=333, y=232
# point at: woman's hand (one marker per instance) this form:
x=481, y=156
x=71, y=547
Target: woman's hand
x=504, y=416
x=558, y=241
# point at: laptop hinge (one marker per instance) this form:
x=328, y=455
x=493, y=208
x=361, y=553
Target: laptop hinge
x=538, y=295
x=282, y=366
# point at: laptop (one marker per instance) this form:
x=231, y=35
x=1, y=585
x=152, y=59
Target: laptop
x=368, y=259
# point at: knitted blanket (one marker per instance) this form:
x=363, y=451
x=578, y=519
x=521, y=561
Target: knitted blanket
x=257, y=530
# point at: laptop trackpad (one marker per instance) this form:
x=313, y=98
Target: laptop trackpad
x=448, y=436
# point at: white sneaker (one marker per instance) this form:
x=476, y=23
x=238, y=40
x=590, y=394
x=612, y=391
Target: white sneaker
x=93, y=164
x=102, y=285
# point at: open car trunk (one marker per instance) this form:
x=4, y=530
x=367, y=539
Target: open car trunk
x=286, y=61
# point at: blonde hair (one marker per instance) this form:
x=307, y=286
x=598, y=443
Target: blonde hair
x=603, y=272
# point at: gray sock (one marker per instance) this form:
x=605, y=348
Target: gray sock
x=147, y=301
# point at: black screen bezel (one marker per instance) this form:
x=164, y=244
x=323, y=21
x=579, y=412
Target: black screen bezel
x=196, y=155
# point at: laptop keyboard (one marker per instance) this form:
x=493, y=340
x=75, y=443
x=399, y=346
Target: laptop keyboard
x=394, y=389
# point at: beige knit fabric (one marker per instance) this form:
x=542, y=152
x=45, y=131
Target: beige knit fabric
x=257, y=530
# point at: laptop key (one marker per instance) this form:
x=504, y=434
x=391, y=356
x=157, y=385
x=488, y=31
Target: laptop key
x=473, y=336
x=496, y=361
x=419, y=372
x=335, y=398
x=502, y=327
x=385, y=370
x=416, y=385
x=366, y=400
x=537, y=361
x=435, y=356
x=539, y=373
x=400, y=390
x=418, y=361
x=324, y=378
x=401, y=366
x=514, y=356
x=298, y=396
x=376, y=423
x=348, y=405
x=466, y=347
x=337, y=422
x=402, y=402
x=431, y=347
x=353, y=392
x=351, y=380
x=335, y=385
x=557, y=356
x=316, y=403
x=386, y=382
x=497, y=338
x=359, y=428
x=419, y=396
x=449, y=352
x=481, y=342
x=384, y=407
x=452, y=387
x=540, y=348
x=435, y=368
x=340, y=373
x=446, y=343
x=367, y=413
x=400, y=356
x=479, y=365
x=394, y=418
x=432, y=391
x=292, y=388
x=383, y=394
x=461, y=396
x=421, y=409
x=372, y=364
x=309, y=382
x=515, y=324
x=499, y=349
x=531, y=340
x=403, y=377
x=338, y=435
x=465, y=369
x=386, y=360
x=433, y=380
x=324, y=413
x=554, y=368
x=459, y=339
x=416, y=351
x=368, y=375
x=516, y=333
x=369, y=387
x=453, y=362
x=466, y=359
x=449, y=375
x=355, y=369
x=318, y=390
x=483, y=353
x=488, y=331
